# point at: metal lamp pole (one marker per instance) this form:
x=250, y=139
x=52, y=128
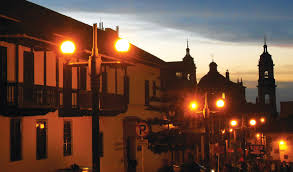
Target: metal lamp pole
x=206, y=114
x=95, y=63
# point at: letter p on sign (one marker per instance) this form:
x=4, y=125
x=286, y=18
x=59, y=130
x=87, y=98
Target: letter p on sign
x=142, y=129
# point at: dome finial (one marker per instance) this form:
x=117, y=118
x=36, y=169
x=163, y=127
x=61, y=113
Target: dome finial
x=187, y=42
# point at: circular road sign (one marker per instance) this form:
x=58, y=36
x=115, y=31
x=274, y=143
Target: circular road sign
x=142, y=129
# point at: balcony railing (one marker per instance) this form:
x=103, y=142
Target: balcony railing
x=37, y=97
x=110, y=104
x=21, y=99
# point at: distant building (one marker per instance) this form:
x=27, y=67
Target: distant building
x=266, y=81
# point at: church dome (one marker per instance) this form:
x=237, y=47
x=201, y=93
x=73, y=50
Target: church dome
x=213, y=79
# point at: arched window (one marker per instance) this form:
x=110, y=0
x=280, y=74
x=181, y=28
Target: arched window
x=267, y=99
x=266, y=74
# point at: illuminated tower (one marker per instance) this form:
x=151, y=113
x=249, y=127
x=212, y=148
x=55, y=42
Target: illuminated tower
x=266, y=81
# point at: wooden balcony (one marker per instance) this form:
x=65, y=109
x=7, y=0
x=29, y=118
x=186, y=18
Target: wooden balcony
x=17, y=99
x=110, y=104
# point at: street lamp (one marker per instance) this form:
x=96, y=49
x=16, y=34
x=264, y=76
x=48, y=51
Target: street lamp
x=262, y=120
x=94, y=64
x=122, y=45
x=193, y=105
x=252, y=122
x=67, y=47
x=233, y=123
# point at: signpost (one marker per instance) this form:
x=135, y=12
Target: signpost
x=257, y=150
x=142, y=130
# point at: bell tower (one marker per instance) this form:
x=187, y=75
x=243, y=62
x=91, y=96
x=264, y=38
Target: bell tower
x=266, y=81
x=189, y=67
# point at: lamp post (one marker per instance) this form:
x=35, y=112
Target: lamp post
x=94, y=64
x=220, y=103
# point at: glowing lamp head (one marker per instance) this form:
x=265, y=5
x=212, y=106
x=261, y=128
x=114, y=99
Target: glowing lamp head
x=193, y=105
x=252, y=122
x=233, y=123
x=262, y=120
x=220, y=103
x=122, y=45
x=230, y=130
x=67, y=47
x=257, y=135
x=282, y=145
x=223, y=131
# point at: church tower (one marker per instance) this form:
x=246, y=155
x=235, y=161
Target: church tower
x=189, y=67
x=266, y=81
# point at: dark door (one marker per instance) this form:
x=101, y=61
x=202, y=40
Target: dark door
x=130, y=143
x=3, y=73
x=28, y=76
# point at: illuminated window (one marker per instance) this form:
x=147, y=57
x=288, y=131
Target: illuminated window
x=15, y=140
x=188, y=76
x=179, y=74
x=266, y=74
x=41, y=127
x=67, y=142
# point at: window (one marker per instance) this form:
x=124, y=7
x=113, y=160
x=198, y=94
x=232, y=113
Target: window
x=188, y=77
x=104, y=82
x=267, y=99
x=15, y=140
x=67, y=143
x=266, y=74
x=82, y=80
x=179, y=74
x=147, y=92
x=126, y=88
x=154, y=89
x=41, y=127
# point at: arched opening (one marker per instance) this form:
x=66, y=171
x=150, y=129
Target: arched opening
x=266, y=74
x=267, y=99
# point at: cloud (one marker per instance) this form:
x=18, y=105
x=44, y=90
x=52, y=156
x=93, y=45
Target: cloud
x=225, y=20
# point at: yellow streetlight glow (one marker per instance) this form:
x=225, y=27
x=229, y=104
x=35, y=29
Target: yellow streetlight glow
x=122, y=45
x=67, y=47
x=282, y=145
x=262, y=120
x=233, y=123
x=223, y=131
x=193, y=105
x=252, y=122
x=231, y=130
x=257, y=135
x=220, y=103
